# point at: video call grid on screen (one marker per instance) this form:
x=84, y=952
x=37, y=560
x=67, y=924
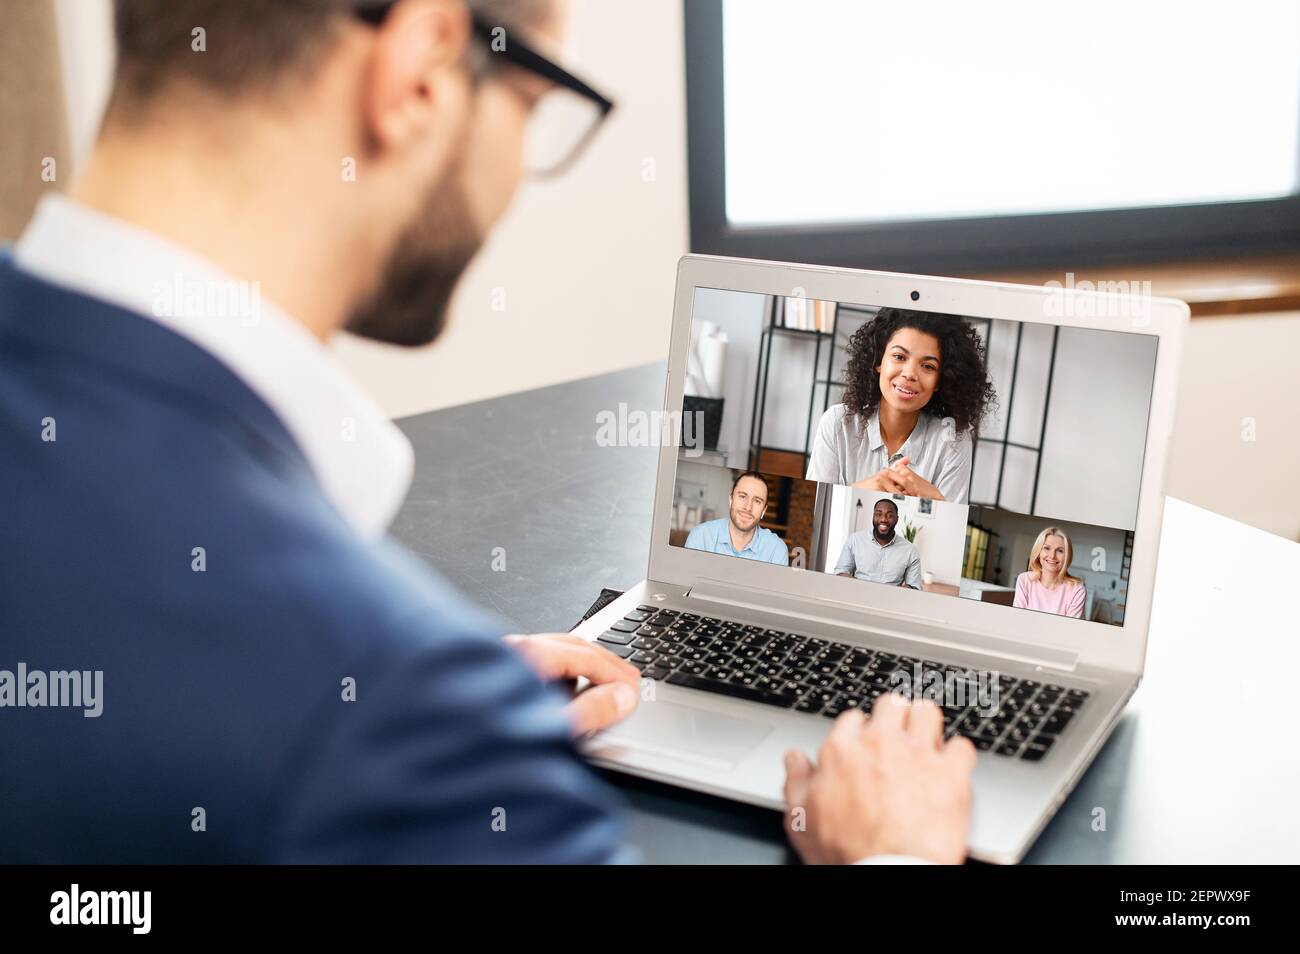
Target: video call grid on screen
x=997, y=461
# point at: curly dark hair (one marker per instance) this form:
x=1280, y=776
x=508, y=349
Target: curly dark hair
x=964, y=393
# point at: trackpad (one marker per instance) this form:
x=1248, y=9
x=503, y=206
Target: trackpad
x=680, y=732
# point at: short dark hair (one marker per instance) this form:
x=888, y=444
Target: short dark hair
x=749, y=473
x=248, y=45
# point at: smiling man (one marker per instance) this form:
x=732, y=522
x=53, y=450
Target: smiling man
x=738, y=534
x=880, y=555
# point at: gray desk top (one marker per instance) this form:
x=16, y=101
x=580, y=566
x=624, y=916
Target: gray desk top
x=524, y=473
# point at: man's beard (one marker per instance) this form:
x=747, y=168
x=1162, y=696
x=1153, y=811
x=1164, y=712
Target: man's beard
x=409, y=307
x=883, y=539
x=753, y=522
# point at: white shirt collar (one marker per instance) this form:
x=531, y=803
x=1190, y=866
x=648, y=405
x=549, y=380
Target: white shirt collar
x=362, y=460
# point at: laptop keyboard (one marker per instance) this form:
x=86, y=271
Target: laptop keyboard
x=821, y=677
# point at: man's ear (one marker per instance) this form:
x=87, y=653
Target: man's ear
x=416, y=78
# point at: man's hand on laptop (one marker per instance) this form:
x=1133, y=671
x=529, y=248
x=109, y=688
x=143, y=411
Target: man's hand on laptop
x=884, y=786
x=615, y=684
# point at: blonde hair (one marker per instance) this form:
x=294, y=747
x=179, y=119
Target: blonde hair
x=1035, y=562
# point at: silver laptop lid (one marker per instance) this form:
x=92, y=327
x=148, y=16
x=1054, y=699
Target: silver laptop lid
x=1022, y=509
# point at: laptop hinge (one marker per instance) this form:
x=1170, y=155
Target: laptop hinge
x=912, y=627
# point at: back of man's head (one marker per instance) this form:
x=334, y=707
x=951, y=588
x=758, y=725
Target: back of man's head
x=236, y=48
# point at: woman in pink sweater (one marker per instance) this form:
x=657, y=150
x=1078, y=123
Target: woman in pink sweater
x=1047, y=585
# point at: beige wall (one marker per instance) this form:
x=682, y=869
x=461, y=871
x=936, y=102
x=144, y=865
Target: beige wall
x=1240, y=372
x=34, y=154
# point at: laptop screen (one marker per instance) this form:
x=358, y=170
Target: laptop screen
x=980, y=459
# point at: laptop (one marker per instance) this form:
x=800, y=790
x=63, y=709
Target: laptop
x=1003, y=566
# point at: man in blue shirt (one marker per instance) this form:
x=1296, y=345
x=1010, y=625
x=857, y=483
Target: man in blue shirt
x=738, y=533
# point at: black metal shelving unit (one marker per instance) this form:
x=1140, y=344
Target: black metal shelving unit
x=1003, y=442
x=775, y=326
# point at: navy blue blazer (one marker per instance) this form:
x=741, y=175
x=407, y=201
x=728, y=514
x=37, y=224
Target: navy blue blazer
x=223, y=690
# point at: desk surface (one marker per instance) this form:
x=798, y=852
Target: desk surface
x=1203, y=767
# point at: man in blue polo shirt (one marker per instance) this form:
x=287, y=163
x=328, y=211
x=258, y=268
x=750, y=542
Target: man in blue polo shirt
x=738, y=533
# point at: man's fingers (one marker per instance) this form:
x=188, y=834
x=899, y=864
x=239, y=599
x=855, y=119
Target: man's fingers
x=890, y=712
x=925, y=723
x=798, y=776
x=961, y=752
x=798, y=780
x=565, y=659
x=601, y=706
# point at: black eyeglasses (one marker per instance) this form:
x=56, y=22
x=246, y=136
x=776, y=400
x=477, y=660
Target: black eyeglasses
x=564, y=120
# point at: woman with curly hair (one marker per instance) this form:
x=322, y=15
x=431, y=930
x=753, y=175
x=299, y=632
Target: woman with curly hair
x=916, y=391
x=1047, y=585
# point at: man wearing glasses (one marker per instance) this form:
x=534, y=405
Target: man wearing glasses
x=196, y=496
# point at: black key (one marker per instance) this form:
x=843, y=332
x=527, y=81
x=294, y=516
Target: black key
x=824, y=696
x=668, y=612
x=809, y=704
x=1078, y=695
x=1033, y=752
x=638, y=616
x=697, y=641
x=643, y=657
x=758, y=640
x=642, y=642
x=721, y=673
x=646, y=608
x=646, y=629
x=621, y=651
x=1018, y=735
x=692, y=617
x=970, y=722
x=1004, y=748
x=621, y=639
x=982, y=744
x=626, y=625
x=1057, y=721
x=732, y=689
x=695, y=668
x=655, y=672
x=1044, y=741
